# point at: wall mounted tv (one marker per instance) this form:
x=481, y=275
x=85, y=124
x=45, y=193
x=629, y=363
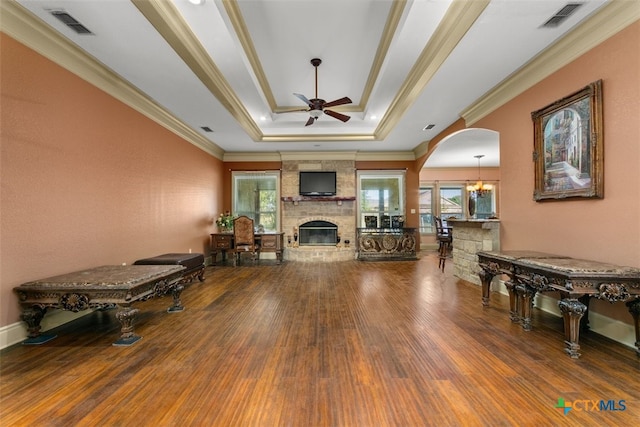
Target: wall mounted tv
x=317, y=183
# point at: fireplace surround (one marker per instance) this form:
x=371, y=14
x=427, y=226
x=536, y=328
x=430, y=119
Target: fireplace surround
x=338, y=211
x=318, y=233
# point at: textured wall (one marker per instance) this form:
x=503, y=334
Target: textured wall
x=88, y=181
x=605, y=230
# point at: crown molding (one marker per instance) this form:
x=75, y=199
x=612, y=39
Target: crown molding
x=252, y=157
x=244, y=37
x=373, y=156
x=167, y=20
x=388, y=33
x=612, y=18
x=421, y=149
x=457, y=21
x=385, y=156
x=318, y=155
x=317, y=138
x=23, y=26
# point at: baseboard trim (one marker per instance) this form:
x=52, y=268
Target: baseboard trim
x=15, y=333
x=616, y=330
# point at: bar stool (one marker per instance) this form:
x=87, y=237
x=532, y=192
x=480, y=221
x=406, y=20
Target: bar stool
x=445, y=241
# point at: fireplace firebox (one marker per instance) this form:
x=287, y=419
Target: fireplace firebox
x=318, y=233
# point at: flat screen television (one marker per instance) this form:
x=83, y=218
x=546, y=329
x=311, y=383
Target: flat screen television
x=317, y=183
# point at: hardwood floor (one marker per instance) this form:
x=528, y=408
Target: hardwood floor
x=343, y=344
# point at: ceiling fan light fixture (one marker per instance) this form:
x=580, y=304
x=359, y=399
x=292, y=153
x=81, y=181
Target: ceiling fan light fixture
x=317, y=105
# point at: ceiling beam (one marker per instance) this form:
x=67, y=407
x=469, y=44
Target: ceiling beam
x=456, y=22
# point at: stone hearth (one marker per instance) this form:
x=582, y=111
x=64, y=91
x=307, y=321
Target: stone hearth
x=319, y=253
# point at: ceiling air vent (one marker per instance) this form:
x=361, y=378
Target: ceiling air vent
x=561, y=15
x=206, y=128
x=70, y=22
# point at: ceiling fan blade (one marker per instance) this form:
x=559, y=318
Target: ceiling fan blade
x=293, y=110
x=338, y=116
x=340, y=101
x=310, y=121
x=303, y=98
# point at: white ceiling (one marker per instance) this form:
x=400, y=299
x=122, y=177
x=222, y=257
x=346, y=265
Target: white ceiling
x=233, y=65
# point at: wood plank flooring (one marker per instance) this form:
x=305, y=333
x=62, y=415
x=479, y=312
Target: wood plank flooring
x=342, y=344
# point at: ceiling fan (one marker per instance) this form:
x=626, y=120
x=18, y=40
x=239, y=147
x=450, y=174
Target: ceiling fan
x=317, y=106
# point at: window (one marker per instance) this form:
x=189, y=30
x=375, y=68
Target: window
x=256, y=195
x=485, y=205
x=443, y=200
x=451, y=202
x=381, y=199
x=426, y=210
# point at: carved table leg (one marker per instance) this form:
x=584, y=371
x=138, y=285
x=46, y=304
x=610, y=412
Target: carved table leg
x=485, y=278
x=527, y=294
x=177, y=304
x=572, y=311
x=201, y=275
x=513, y=301
x=634, y=309
x=127, y=317
x=584, y=323
x=32, y=316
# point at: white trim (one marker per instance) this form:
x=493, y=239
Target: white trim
x=252, y=157
x=17, y=332
x=608, y=21
x=385, y=156
x=257, y=156
x=318, y=155
x=616, y=330
x=20, y=24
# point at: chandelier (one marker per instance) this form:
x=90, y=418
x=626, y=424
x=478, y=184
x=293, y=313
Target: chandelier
x=479, y=188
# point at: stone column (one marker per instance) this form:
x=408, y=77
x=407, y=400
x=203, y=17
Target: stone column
x=470, y=237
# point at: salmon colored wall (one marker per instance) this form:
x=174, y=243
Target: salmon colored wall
x=88, y=181
x=605, y=230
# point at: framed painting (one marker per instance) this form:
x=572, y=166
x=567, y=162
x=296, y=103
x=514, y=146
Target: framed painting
x=568, y=147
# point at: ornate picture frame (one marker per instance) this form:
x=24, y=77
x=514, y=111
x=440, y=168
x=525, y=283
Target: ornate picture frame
x=569, y=148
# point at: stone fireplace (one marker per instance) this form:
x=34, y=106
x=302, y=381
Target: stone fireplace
x=318, y=221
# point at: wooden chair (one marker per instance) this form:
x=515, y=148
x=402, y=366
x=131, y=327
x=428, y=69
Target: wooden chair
x=244, y=239
x=445, y=241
